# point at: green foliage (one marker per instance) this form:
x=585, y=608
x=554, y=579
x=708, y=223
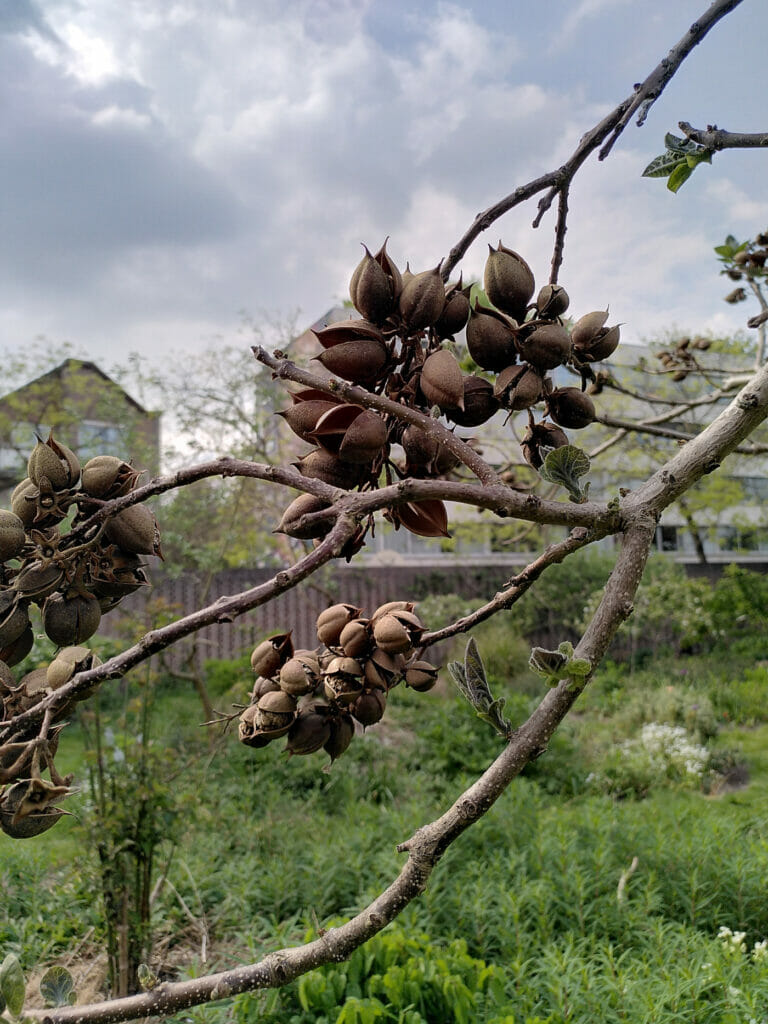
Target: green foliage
x=12, y=986
x=741, y=699
x=565, y=466
x=398, y=976
x=678, y=161
x=471, y=680
x=57, y=987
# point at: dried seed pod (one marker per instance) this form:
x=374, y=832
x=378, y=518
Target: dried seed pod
x=479, y=403
x=421, y=676
x=364, y=439
x=24, y=501
x=545, y=346
x=331, y=621
x=491, y=338
x=261, y=686
x=343, y=680
x=249, y=733
x=383, y=670
x=587, y=327
x=106, y=476
x=275, y=713
x=53, y=464
x=392, y=606
x=17, y=651
x=70, y=620
x=12, y=535
x=455, y=311
x=37, y=580
x=14, y=617
x=421, y=300
x=428, y=518
x=291, y=521
x=518, y=387
x=442, y=382
x=342, y=731
x=391, y=635
x=539, y=440
x=35, y=681
x=31, y=825
x=570, y=407
x=552, y=301
x=419, y=446
x=360, y=360
x=270, y=654
x=371, y=290
x=355, y=638
x=369, y=707
x=322, y=465
x=68, y=662
x=508, y=281
x=135, y=529
x=309, y=732
x=300, y=674
x=303, y=415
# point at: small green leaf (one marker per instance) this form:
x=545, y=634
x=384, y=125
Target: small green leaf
x=57, y=987
x=564, y=466
x=679, y=176
x=146, y=978
x=678, y=145
x=703, y=156
x=726, y=251
x=547, y=663
x=474, y=668
x=580, y=667
x=662, y=166
x=12, y=984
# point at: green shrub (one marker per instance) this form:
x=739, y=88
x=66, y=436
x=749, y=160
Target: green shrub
x=396, y=977
x=744, y=700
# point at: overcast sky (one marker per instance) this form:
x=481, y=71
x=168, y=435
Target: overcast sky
x=167, y=165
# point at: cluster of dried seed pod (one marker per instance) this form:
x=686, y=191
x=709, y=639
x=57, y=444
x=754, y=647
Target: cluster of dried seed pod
x=679, y=361
x=74, y=571
x=315, y=697
x=402, y=348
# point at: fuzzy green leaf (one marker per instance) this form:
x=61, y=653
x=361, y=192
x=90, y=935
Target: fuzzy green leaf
x=726, y=251
x=547, y=663
x=57, y=987
x=12, y=984
x=678, y=145
x=702, y=156
x=663, y=165
x=564, y=466
x=474, y=669
x=679, y=176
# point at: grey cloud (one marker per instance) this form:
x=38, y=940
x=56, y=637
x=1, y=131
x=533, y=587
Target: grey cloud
x=77, y=192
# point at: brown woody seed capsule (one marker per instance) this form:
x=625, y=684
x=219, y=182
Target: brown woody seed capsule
x=12, y=535
x=479, y=403
x=518, y=387
x=360, y=362
x=421, y=676
x=570, y=407
x=455, y=312
x=545, y=347
x=322, y=465
x=291, y=525
x=383, y=670
x=275, y=713
x=508, y=281
x=24, y=501
x=342, y=731
x=309, y=733
x=422, y=300
x=491, y=338
x=539, y=439
x=70, y=620
x=364, y=439
x=270, y=654
x=442, y=382
x=369, y=707
x=106, y=476
x=300, y=674
x=355, y=638
x=331, y=621
x=552, y=301
x=135, y=529
x=371, y=290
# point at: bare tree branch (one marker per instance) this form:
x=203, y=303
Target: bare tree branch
x=715, y=139
x=604, y=134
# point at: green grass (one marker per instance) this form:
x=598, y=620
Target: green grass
x=272, y=846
